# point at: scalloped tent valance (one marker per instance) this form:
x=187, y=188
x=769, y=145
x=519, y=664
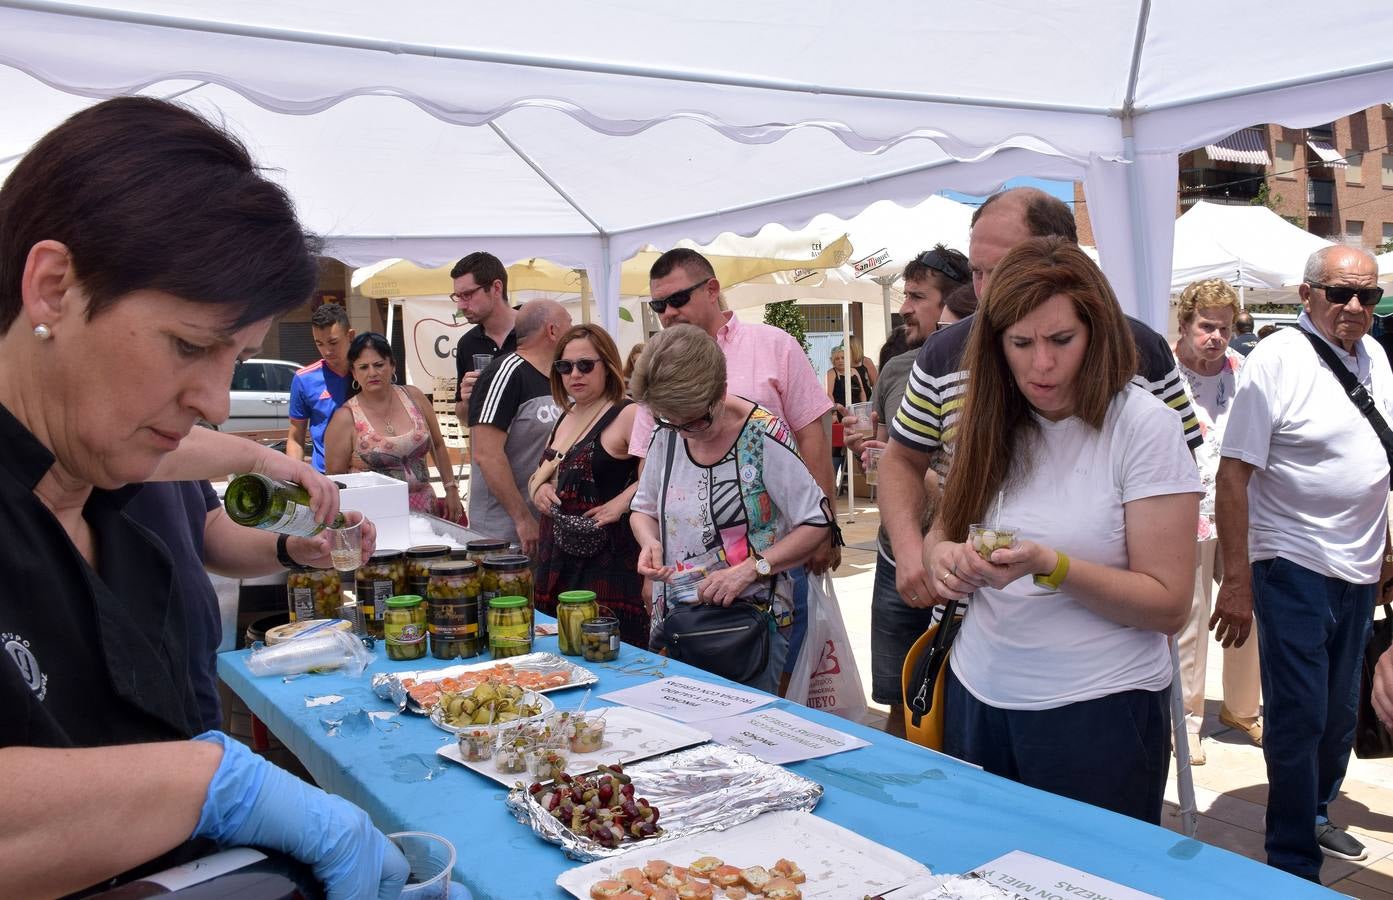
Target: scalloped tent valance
x=594, y=129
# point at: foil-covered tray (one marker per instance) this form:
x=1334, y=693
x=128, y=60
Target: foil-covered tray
x=705, y=788
x=388, y=685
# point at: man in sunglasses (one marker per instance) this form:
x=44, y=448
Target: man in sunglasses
x=1302, y=509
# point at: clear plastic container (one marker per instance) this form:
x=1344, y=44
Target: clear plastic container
x=431, y=859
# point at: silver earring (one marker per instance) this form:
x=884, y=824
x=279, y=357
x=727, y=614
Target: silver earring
x=42, y=331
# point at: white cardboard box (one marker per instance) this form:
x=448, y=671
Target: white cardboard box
x=383, y=500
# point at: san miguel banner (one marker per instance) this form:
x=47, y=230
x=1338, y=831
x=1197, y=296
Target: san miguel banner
x=431, y=334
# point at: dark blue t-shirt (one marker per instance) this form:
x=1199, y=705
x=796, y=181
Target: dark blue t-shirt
x=176, y=513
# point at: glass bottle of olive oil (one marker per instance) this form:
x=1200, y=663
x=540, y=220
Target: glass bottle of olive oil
x=255, y=501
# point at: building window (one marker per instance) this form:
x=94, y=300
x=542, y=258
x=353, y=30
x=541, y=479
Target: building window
x=1354, y=232
x=1354, y=171
x=1286, y=159
x=1388, y=232
x=1388, y=170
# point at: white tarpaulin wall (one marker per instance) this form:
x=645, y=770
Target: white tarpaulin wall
x=630, y=122
x=1247, y=246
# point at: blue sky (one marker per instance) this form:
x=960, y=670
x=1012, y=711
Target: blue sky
x=1064, y=190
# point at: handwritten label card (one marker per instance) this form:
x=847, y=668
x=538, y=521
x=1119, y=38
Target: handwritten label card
x=688, y=700
x=779, y=737
x=1027, y=875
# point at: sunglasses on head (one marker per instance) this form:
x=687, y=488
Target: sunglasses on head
x=677, y=299
x=942, y=262
x=695, y=426
x=1340, y=294
x=564, y=366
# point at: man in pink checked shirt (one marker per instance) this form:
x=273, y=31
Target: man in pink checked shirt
x=763, y=364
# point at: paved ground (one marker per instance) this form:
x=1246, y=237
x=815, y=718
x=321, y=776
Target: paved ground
x=1230, y=789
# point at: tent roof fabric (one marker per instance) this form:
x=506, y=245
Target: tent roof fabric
x=1247, y=246
x=1248, y=146
x=599, y=128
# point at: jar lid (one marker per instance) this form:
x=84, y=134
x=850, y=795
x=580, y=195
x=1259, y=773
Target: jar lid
x=426, y=551
x=504, y=602
x=386, y=555
x=600, y=623
x=486, y=544
x=291, y=630
x=507, y=562
x=576, y=597
x=405, y=601
x=454, y=567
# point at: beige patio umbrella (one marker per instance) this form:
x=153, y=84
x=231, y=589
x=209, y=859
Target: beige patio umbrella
x=400, y=278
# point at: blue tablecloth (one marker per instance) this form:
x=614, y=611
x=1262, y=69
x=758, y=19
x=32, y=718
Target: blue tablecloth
x=947, y=815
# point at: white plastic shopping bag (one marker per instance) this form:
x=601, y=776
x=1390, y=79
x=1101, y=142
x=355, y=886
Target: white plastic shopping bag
x=825, y=675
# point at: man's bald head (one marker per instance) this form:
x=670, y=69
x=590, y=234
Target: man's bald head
x=1008, y=218
x=540, y=321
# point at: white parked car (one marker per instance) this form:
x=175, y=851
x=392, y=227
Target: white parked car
x=261, y=395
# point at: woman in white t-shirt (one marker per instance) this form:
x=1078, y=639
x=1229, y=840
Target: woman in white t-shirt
x=1060, y=677
x=1210, y=368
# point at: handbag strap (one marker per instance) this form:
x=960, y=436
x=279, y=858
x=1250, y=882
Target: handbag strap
x=662, y=498
x=1355, y=391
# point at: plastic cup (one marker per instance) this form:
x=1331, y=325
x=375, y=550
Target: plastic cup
x=431, y=858
x=862, y=412
x=986, y=539
x=872, y=463
x=346, y=547
x=481, y=361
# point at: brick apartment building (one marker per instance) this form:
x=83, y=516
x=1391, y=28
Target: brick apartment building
x=1336, y=181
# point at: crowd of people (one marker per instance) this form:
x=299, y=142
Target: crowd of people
x=688, y=484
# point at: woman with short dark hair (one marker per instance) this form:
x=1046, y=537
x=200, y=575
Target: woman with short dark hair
x=1060, y=677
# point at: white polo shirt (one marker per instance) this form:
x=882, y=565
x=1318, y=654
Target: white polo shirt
x=1319, y=495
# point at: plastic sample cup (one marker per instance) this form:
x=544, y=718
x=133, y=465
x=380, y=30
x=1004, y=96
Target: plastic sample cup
x=862, y=412
x=987, y=539
x=431, y=858
x=872, y=462
x=346, y=546
x=481, y=361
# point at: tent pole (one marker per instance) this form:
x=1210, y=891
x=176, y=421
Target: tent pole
x=885, y=283
x=584, y=297
x=846, y=385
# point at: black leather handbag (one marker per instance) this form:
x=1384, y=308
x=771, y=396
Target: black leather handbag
x=1371, y=739
x=730, y=641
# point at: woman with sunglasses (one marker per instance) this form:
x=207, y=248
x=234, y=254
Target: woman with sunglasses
x=389, y=428
x=738, y=508
x=584, y=540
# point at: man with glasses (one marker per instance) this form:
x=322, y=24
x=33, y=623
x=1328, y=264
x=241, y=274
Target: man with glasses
x=510, y=420
x=1302, y=510
x=481, y=298
x=764, y=364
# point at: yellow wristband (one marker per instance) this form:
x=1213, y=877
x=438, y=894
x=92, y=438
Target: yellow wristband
x=1052, y=581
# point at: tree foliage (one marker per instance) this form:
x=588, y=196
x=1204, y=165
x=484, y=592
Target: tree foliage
x=789, y=317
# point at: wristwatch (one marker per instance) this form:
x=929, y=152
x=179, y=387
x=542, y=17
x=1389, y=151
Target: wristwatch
x=283, y=554
x=762, y=567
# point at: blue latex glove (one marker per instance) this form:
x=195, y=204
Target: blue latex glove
x=253, y=803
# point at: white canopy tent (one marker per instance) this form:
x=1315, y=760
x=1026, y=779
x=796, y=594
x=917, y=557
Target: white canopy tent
x=1247, y=246
x=672, y=122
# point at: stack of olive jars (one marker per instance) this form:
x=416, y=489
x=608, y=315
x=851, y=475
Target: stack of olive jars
x=453, y=614
x=383, y=576
x=419, y=560
x=479, y=550
x=313, y=593
x=509, y=575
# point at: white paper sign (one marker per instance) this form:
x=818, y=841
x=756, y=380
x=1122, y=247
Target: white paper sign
x=689, y=700
x=1027, y=875
x=779, y=737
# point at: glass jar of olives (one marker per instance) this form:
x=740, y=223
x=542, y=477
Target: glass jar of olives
x=382, y=576
x=481, y=549
x=453, y=616
x=404, y=627
x=599, y=639
x=508, y=575
x=419, y=559
x=573, y=608
x=313, y=593
x=510, y=627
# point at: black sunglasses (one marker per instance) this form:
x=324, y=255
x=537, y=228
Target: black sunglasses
x=677, y=299
x=1341, y=294
x=942, y=262
x=695, y=426
x=564, y=366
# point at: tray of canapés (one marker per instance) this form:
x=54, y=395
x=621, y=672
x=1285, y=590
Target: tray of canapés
x=488, y=706
x=420, y=691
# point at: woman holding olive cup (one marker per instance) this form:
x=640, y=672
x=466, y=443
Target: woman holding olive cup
x=1060, y=677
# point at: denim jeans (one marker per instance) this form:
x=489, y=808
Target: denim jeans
x=895, y=626
x=1311, y=632
x=799, y=631
x=1112, y=752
